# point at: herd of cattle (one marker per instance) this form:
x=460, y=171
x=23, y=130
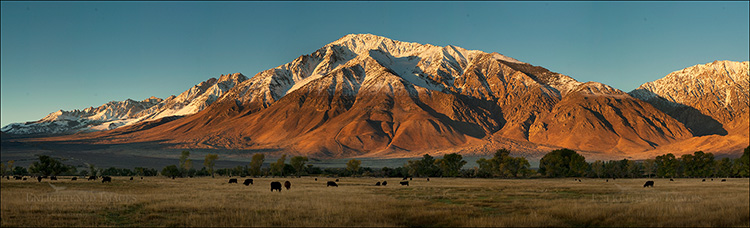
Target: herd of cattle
x=277, y=185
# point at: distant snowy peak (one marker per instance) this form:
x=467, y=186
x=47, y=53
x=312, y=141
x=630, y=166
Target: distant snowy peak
x=115, y=114
x=108, y=116
x=710, y=98
x=194, y=99
x=717, y=78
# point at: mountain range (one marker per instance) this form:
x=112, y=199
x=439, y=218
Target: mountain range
x=369, y=96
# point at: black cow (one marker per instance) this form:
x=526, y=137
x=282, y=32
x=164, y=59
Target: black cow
x=54, y=178
x=17, y=177
x=131, y=178
x=287, y=185
x=410, y=178
x=275, y=186
x=24, y=178
x=141, y=178
x=248, y=182
x=428, y=179
x=670, y=179
x=723, y=180
x=74, y=178
x=92, y=177
x=704, y=180
x=233, y=180
x=377, y=184
x=316, y=179
x=39, y=179
x=405, y=183
x=106, y=179
x=649, y=183
x=385, y=182
x=331, y=183
x=404, y=178
x=337, y=180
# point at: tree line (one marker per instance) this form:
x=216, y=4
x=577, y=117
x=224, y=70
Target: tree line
x=557, y=163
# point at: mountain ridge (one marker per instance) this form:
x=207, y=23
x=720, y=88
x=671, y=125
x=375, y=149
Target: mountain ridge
x=365, y=95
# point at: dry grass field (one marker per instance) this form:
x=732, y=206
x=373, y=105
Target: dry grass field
x=158, y=201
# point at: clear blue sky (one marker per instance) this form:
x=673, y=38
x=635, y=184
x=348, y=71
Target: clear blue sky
x=73, y=55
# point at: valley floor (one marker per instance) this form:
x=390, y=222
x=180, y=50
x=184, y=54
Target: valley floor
x=159, y=201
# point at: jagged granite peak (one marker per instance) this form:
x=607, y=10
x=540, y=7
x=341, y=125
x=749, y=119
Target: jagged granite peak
x=710, y=98
x=194, y=99
x=421, y=65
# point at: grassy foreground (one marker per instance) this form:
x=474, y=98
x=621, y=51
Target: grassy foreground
x=158, y=201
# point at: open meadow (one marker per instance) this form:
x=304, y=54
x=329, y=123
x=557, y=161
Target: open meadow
x=159, y=201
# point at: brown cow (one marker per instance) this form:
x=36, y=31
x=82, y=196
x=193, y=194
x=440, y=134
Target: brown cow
x=287, y=185
x=106, y=179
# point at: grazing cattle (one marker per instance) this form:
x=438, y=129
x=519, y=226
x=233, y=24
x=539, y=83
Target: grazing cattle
x=712, y=179
x=233, y=180
x=7, y=177
x=141, y=178
x=428, y=179
x=17, y=177
x=275, y=186
x=39, y=179
x=287, y=185
x=670, y=179
x=385, y=182
x=337, y=180
x=704, y=180
x=131, y=178
x=410, y=178
x=316, y=179
x=405, y=183
x=74, y=178
x=648, y=183
x=54, y=178
x=377, y=184
x=248, y=182
x=723, y=180
x=92, y=177
x=172, y=177
x=331, y=183
x=606, y=180
x=106, y=179
x=404, y=178
x=24, y=178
